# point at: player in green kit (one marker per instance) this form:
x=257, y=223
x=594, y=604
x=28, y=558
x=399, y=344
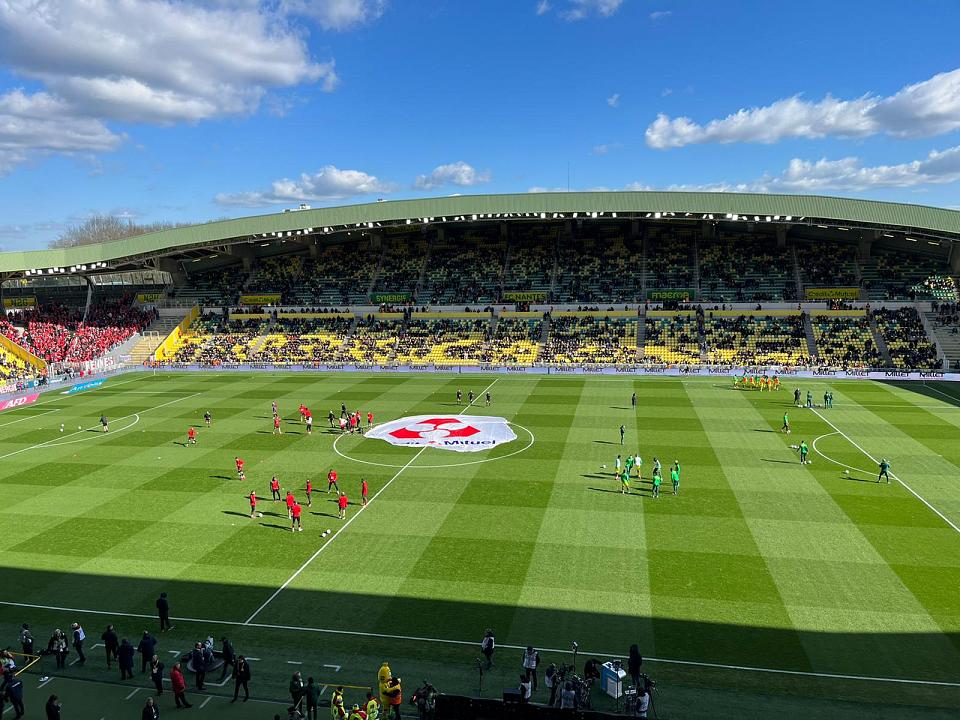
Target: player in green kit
x=786, y=424
x=628, y=464
x=656, y=483
x=625, y=482
x=884, y=468
x=803, y=452
x=675, y=479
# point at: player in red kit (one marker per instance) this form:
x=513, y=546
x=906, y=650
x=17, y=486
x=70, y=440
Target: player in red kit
x=290, y=503
x=342, y=503
x=363, y=492
x=276, y=425
x=309, y=418
x=192, y=436
x=332, y=480
x=369, y=419
x=240, y=465
x=253, y=504
x=309, y=493
x=275, y=488
x=295, y=511
x=303, y=411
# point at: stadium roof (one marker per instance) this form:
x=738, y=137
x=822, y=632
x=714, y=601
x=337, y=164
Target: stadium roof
x=792, y=210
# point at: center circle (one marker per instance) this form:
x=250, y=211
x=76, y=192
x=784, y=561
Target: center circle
x=444, y=465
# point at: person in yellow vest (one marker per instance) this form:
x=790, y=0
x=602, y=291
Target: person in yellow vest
x=383, y=679
x=337, y=711
x=372, y=706
x=357, y=714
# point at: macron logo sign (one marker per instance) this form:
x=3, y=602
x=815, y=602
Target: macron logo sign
x=460, y=434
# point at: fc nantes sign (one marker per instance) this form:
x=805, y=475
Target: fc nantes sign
x=261, y=299
x=459, y=434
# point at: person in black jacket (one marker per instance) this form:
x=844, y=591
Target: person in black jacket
x=634, y=661
x=151, y=711
x=52, y=708
x=78, y=637
x=163, y=611
x=111, y=643
x=156, y=674
x=125, y=655
x=229, y=656
x=199, y=667
x=241, y=676
x=13, y=687
x=147, y=647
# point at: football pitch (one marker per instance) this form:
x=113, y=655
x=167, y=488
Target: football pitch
x=765, y=586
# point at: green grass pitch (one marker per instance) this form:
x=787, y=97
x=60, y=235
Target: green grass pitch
x=835, y=583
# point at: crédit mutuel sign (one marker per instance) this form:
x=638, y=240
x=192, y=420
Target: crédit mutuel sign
x=445, y=432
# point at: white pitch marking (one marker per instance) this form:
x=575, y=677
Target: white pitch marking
x=347, y=524
x=132, y=693
x=472, y=643
x=830, y=459
x=913, y=492
x=57, y=441
x=31, y=417
x=954, y=398
x=203, y=704
x=45, y=682
x=336, y=668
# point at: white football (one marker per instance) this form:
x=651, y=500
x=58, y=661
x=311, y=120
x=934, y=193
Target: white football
x=259, y=514
x=79, y=427
x=846, y=472
x=603, y=466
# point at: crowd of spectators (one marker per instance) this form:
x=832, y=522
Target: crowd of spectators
x=530, y=266
x=591, y=340
x=218, y=286
x=896, y=275
x=742, y=268
x=672, y=339
x=670, y=260
x=57, y=333
x=827, y=264
x=516, y=341
x=947, y=313
x=374, y=341
x=306, y=340
x=906, y=338
x=845, y=342
x=285, y=275
x=400, y=267
x=470, y=271
x=756, y=339
x=216, y=341
x=599, y=270
x=443, y=341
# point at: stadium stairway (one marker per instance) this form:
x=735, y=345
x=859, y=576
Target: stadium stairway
x=797, y=278
x=945, y=338
x=145, y=347
x=808, y=332
x=641, y=336
x=879, y=342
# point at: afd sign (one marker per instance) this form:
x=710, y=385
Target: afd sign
x=80, y=387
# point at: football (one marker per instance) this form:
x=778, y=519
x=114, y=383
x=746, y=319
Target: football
x=259, y=514
x=846, y=472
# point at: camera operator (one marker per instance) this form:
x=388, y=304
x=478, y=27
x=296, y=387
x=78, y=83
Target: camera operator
x=643, y=701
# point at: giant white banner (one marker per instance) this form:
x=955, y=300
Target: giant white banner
x=446, y=432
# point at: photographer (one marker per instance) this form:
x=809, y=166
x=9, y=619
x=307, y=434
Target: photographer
x=643, y=701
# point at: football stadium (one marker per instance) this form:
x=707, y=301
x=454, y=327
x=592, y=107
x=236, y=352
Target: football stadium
x=695, y=448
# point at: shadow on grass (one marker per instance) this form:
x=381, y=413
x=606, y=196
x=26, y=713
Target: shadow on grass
x=220, y=477
x=945, y=392
x=605, y=442
x=407, y=627
x=782, y=462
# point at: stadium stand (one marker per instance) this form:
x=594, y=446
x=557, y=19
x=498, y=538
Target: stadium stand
x=906, y=338
x=736, y=267
x=671, y=258
x=339, y=276
x=606, y=269
x=672, y=338
x=755, y=339
x=591, y=339
x=374, y=340
x=214, y=342
x=400, y=267
x=896, y=275
x=844, y=341
x=284, y=275
x=468, y=271
x=531, y=261
x=310, y=339
x=516, y=341
x=220, y=286
x=443, y=341
x=827, y=265
x=59, y=334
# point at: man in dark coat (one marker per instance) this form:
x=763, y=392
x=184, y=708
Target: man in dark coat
x=111, y=643
x=241, y=676
x=125, y=655
x=156, y=674
x=147, y=647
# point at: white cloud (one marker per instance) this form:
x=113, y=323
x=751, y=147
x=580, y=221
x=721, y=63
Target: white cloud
x=614, y=100
x=329, y=183
x=601, y=149
x=457, y=173
x=660, y=15
x=574, y=10
x=927, y=108
x=337, y=14
x=150, y=61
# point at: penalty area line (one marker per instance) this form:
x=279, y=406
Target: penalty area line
x=473, y=644
x=913, y=492
x=357, y=514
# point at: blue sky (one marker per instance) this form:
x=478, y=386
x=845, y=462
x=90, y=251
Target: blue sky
x=190, y=111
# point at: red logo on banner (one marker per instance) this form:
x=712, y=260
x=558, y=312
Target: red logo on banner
x=415, y=431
